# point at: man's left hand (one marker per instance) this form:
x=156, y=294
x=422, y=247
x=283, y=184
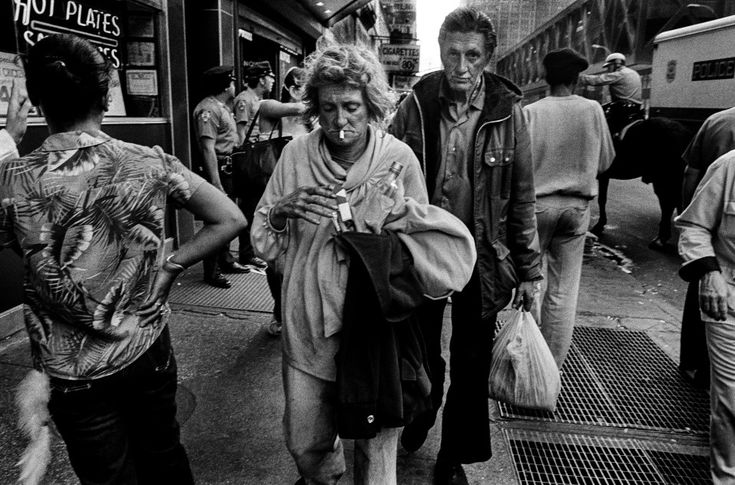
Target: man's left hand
x=525, y=295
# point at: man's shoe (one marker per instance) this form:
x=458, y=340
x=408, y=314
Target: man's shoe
x=218, y=281
x=413, y=437
x=256, y=262
x=234, y=268
x=449, y=473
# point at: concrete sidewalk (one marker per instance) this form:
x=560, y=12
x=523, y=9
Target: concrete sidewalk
x=231, y=399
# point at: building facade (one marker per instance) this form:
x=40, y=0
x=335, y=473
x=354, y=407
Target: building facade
x=159, y=49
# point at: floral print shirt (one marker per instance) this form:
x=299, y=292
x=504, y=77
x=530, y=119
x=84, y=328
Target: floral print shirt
x=86, y=212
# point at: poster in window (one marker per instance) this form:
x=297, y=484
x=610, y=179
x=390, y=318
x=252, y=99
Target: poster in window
x=142, y=53
x=141, y=82
x=10, y=69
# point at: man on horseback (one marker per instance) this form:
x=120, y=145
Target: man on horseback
x=625, y=92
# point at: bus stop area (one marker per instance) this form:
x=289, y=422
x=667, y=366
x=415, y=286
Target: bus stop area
x=625, y=414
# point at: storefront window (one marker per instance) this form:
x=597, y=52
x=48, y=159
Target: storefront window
x=126, y=32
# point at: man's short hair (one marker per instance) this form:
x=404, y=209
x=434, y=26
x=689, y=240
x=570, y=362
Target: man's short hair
x=563, y=66
x=469, y=19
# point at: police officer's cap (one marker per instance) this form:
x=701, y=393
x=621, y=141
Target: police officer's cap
x=615, y=56
x=216, y=79
x=563, y=62
x=256, y=70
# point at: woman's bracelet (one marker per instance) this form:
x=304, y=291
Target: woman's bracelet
x=172, y=266
x=269, y=223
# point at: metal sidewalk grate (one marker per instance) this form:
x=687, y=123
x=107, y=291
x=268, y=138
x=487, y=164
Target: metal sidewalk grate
x=621, y=378
x=547, y=459
x=249, y=292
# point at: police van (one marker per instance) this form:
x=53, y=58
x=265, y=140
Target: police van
x=693, y=71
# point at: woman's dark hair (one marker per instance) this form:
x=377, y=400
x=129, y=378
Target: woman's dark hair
x=67, y=76
x=294, y=77
x=469, y=19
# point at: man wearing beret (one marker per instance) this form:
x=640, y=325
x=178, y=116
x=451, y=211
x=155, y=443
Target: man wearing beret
x=259, y=79
x=570, y=146
x=217, y=137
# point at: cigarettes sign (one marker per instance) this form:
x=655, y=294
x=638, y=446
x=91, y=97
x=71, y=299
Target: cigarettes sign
x=400, y=57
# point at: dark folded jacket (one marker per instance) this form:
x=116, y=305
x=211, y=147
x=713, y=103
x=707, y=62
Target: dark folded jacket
x=382, y=372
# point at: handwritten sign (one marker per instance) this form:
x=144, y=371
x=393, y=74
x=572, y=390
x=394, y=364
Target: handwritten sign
x=400, y=57
x=95, y=20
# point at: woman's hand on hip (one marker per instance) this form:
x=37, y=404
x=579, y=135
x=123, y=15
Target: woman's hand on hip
x=155, y=305
x=308, y=203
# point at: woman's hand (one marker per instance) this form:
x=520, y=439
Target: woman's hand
x=154, y=306
x=713, y=295
x=308, y=203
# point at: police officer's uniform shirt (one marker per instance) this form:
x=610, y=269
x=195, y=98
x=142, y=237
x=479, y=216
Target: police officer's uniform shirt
x=625, y=84
x=213, y=119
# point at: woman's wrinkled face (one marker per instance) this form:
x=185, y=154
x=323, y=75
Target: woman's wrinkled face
x=343, y=109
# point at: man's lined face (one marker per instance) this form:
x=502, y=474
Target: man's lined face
x=464, y=57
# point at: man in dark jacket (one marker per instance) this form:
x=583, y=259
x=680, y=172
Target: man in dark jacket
x=467, y=129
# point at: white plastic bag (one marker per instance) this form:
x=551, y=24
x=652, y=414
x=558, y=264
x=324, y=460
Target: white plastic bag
x=523, y=372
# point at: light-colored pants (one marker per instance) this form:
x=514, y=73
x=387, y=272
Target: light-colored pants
x=562, y=225
x=310, y=427
x=721, y=344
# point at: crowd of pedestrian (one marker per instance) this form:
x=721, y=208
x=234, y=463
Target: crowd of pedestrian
x=468, y=194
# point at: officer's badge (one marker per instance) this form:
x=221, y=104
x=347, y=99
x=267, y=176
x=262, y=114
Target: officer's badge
x=205, y=116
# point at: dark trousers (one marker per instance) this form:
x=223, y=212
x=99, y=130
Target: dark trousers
x=275, y=281
x=466, y=427
x=693, y=353
x=248, y=203
x=122, y=429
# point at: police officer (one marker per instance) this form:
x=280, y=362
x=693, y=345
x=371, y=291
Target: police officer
x=259, y=79
x=625, y=90
x=216, y=134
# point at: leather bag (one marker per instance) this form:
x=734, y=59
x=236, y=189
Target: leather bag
x=253, y=162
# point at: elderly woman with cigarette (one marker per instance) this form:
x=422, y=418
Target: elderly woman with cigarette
x=347, y=158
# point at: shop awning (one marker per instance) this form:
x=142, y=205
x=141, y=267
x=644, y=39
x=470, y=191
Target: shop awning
x=328, y=12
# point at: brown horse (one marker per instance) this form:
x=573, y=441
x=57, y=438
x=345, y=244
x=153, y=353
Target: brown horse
x=650, y=149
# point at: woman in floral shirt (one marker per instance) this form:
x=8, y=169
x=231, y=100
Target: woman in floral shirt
x=86, y=213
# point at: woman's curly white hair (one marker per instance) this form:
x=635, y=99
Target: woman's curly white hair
x=348, y=65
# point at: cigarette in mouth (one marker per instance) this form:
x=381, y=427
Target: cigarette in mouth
x=341, y=134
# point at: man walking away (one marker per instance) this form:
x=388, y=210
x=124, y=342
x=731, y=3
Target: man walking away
x=570, y=146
